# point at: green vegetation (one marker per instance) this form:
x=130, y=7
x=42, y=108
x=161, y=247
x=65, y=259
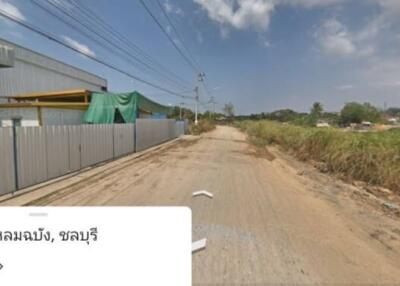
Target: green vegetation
x=179, y=112
x=393, y=111
x=317, y=110
x=204, y=125
x=352, y=112
x=372, y=157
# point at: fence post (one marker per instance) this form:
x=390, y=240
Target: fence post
x=14, y=136
x=113, y=132
x=134, y=136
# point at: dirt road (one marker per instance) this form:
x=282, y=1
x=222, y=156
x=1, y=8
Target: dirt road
x=266, y=223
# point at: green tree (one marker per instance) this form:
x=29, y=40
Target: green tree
x=186, y=113
x=354, y=112
x=317, y=110
x=282, y=115
x=393, y=111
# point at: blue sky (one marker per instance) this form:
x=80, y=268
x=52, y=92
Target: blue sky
x=261, y=55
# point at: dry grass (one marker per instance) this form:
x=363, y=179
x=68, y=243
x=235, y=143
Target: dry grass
x=371, y=157
x=204, y=125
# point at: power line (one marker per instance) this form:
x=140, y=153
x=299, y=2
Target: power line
x=90, y=14
x=76, y=28
x=111, y=66
x=191, y=62
x=178, y=34
x=89, y=28
x=183, y=44
x=168, y=36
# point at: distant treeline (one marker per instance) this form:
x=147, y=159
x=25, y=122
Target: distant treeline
x=352, y=112
x=186, y=113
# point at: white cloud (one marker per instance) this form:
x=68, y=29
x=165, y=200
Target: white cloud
x=242, y=14
x=65, y=4
x=168, y=7
x=171, y=8
x=390, y=7
x=335, y=38
x=12, y=10
x=250, y=14
x=239, y=14
x=345, y=87
x=311, y=3
x=169, y=30
x=371, y=30
x=80, y=47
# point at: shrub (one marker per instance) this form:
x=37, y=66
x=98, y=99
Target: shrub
x=372, y=157
x=204, y=125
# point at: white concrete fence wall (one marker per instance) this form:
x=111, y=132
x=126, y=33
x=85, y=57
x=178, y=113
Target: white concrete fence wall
x=44, y=153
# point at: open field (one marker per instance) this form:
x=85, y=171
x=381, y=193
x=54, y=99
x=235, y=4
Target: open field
x=371, y=157
x=266, y=223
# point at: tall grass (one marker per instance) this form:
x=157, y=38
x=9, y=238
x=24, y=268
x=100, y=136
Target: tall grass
x=372, y=157
x=204, y=125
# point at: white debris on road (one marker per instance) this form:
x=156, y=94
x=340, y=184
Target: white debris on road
x=203, y=193
x=199, y=245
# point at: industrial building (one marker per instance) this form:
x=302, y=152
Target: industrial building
x=24, y=71
x=74, y=107
x=28, y=75
x=41, y=109
x=38, y=91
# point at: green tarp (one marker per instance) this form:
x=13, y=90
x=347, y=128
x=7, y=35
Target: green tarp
x=120, y=107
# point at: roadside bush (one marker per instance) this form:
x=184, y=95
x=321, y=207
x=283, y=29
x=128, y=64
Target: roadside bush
x=373, y=157
x=204, y=125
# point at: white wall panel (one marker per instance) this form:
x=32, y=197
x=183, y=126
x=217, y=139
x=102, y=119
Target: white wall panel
x=31, y=155
x=57, y=151
x=124, y=141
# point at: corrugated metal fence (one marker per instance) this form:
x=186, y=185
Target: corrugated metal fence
x=7, y=182
x=44, y=153
x=151, y=132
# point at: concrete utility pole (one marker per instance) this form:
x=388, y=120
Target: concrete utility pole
x=196, y=104
x=180, y=110
x=200, y=78
x=212, y=101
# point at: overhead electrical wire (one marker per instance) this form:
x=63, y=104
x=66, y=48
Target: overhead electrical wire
x=185, y=57
x=53, y=38
x=76, y=28
x=178, y=34
x=117, y=49
x=183, y=44
x=82, y=8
